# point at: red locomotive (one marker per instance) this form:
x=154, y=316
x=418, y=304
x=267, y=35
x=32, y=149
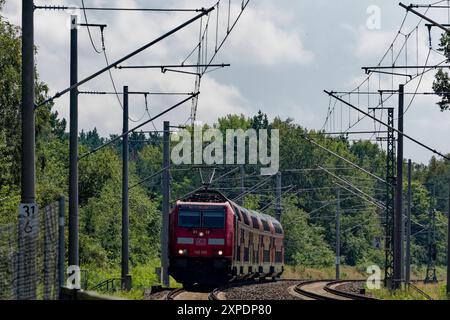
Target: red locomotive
x=213, y=240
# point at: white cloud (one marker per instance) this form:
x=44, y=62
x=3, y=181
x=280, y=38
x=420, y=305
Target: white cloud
x=218, y=100
x=263, y=39
x=125, y=33
x=371, y=43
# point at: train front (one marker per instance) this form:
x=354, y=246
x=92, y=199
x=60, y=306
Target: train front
x=200, y=242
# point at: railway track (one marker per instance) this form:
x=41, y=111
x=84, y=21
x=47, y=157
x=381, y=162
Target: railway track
x=182, y=294
x=328, y=290
x=307, y=290
x=222, y=293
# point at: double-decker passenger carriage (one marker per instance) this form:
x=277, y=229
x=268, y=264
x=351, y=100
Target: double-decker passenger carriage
x=213, y=240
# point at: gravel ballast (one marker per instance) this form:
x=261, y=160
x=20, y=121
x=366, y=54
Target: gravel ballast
x=262, y=291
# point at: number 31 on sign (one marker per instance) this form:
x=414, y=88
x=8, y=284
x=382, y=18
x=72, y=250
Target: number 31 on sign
x=28, y=216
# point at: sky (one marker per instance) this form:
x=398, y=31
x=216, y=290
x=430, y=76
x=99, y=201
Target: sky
x=283, y=54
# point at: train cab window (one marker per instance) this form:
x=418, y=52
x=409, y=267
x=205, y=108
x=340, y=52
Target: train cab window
x=214, y=219
x=255, y=222
x=189, y=219
x=265, y=225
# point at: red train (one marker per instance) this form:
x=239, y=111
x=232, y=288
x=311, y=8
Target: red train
x=212, y=240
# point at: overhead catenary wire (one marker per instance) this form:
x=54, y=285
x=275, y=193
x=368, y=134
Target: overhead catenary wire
x=89, y=29
x=266, y=207
x=158, y=10
x=137, y=127
x=392, y=128
x=256, y=187
x=348, y=183
x=367, y=79
x=203, y=54
x=212, y=182
x=344, y=159
x=123, y=59
x=103, y=51
x=394, y=58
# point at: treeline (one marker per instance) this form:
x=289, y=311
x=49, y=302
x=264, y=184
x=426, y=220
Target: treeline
x=308, y=209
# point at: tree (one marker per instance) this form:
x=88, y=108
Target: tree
x=96, y=171
x=138, y=140
x=100, y=221
x=10, y=84
x=260, y=121
x=441, y=85
x=91, y=139
x=304, y=243
x=234, y=122
x=48, y=126
x=58, y=126
x=148, y=163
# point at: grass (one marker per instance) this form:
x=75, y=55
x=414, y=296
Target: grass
x=299, y=272
x=143, y=278
x=435, y=291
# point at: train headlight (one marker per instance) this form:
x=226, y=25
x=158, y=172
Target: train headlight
x=220, y=253
x=181, y=252
x=201, y=234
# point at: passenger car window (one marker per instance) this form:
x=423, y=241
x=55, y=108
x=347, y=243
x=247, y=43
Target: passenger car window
x=238, y=213
x=245, y=216
x=266, y=225
x=255, y=222
x=278, y=228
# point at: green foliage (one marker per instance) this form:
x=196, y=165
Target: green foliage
x=252, y=202
x=96, y=171
x=143, y=277
x=10, y=64
x=91, y=139
x=441, y=85
x=233, y=122
x=9, y=199
x=48, y=129
x=101, y=223
x=444, y=45
x=260, y=121
x=138, y=141
x=304, y=243
x=435, y=291
x=149, y=161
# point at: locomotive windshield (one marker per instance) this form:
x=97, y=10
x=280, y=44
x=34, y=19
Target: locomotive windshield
x=189, y=219
x=214, y=219
x=210, y=219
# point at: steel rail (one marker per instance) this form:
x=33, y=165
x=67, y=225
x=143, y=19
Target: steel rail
x=354, y=296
